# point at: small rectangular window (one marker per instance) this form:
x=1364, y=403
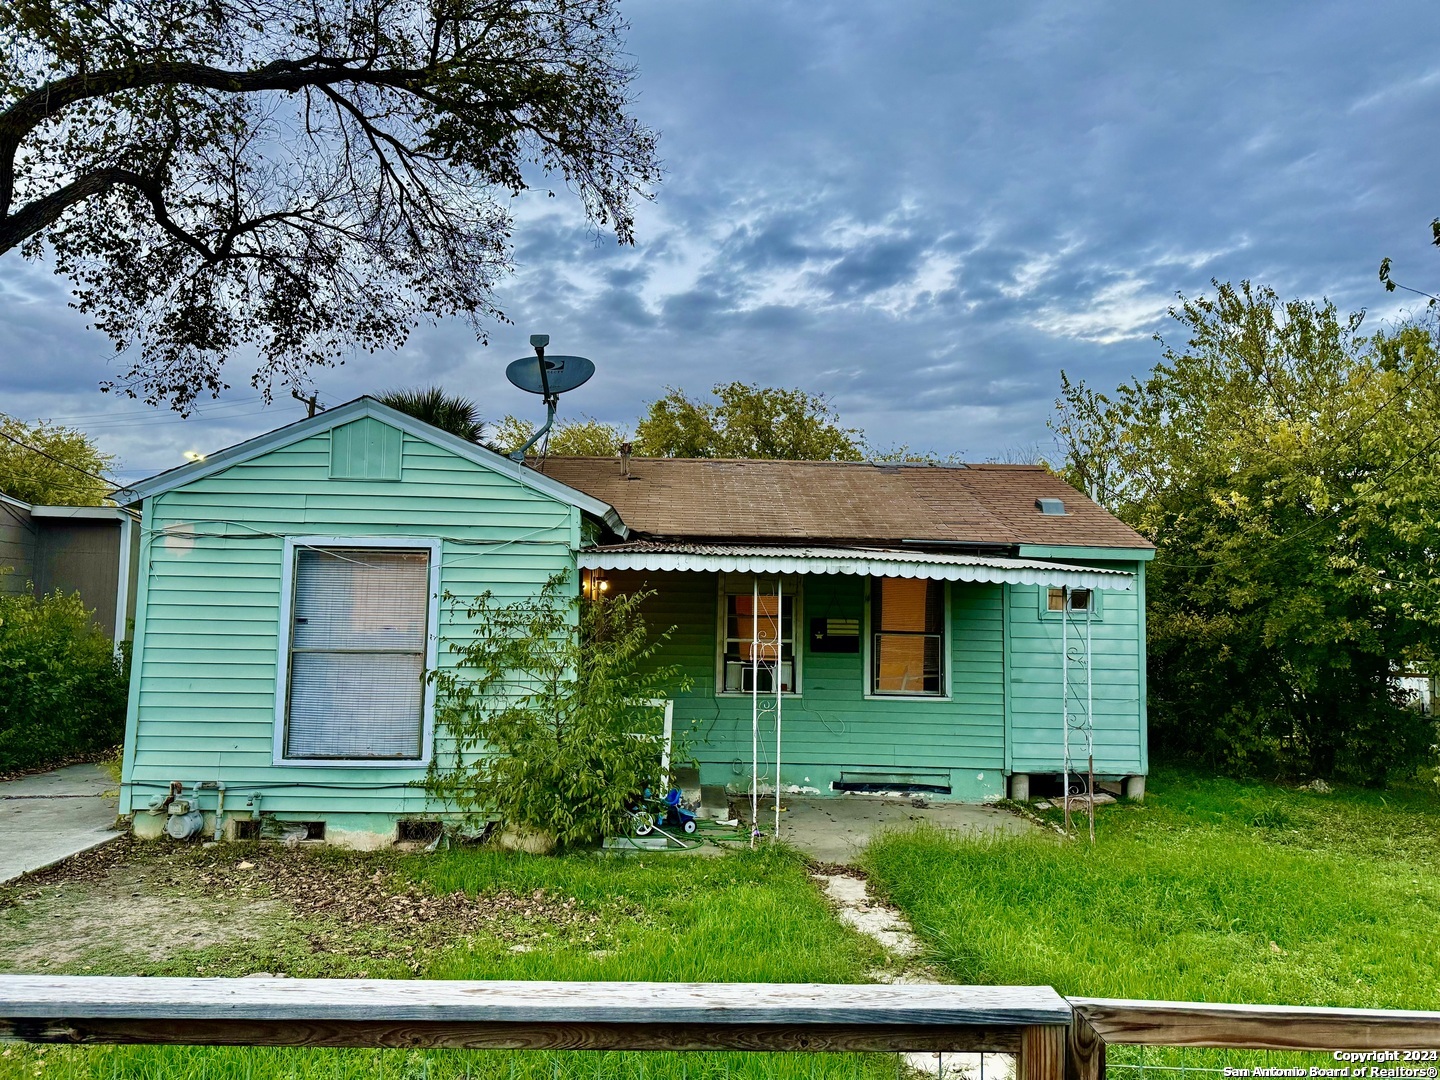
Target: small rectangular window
x=907, y=624
x=762, y=629
x=1080, y=600
x=358, y=639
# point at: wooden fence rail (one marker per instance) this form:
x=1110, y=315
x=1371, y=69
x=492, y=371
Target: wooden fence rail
x=1100, y=1022
x=1053, y=1038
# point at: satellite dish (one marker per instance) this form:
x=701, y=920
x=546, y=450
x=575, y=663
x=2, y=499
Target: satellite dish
x=549, y=376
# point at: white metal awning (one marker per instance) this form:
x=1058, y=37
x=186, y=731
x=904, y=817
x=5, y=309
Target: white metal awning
x=866, y=562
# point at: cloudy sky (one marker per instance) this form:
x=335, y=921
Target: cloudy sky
x=922, y=210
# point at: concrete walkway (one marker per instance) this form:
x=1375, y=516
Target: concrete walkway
x=50, y=816
x=836, y=830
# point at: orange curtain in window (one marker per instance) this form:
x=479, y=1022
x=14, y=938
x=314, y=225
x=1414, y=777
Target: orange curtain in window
x=768, y=617
x=900, y=664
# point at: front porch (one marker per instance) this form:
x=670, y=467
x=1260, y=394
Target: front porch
x=940, y=683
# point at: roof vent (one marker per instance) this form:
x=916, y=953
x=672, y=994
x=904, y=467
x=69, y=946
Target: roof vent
x=1054, y=507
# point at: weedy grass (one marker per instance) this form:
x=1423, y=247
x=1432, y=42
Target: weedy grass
x=1211, y=890
x=742, y=917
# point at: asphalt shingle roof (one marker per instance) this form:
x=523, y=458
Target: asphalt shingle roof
x=844, y=502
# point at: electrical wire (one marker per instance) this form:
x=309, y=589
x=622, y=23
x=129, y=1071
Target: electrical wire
x=249, y=400
x=59, y=461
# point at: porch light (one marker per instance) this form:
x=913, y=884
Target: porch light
x=593, y=583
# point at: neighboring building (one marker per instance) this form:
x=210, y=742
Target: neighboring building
x=72, y=549
x=1418, y=689
x=290, y=598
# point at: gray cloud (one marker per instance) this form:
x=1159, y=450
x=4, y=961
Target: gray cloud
x=924, y=210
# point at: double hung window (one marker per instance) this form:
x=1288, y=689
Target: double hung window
x=907, y=642
x=358, y=636
x=760, y=628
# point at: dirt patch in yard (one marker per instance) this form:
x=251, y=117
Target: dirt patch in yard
x=56, y=931
x=231, y=910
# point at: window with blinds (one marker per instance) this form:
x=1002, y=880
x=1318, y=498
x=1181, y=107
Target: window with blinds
x=357, y=654
x=907, y=625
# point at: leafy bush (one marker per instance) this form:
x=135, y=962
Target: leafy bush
x=1284, y=465
x=62, y=690
x=540, y=713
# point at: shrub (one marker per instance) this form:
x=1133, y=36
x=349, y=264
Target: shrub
x=62, y=690
x=539, y=716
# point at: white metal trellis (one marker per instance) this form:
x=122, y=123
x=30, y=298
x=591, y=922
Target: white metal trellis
x=767, y=650
x=1076, y=715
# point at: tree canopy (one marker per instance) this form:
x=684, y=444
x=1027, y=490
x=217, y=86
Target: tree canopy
x=748, y=421
x=51, y=465
x=296, y=181
x=745, y=421
x=582, y=438
x=1284, y=464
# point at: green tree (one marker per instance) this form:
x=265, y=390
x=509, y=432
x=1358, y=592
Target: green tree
x=541, y=712
x=222, y=177
x=748, y=421
x=51, y=464
x=578, y=438
x=1284, y=465
x=449, y=412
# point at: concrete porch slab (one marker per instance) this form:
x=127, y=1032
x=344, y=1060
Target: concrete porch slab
x=836, y=830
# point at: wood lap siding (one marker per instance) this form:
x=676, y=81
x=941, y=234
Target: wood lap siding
x=1035, y=684
x=206, y=669
x=832, y=724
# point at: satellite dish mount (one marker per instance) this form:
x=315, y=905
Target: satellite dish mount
x=548, y=377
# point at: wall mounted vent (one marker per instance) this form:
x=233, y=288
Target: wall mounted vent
x=864, y=780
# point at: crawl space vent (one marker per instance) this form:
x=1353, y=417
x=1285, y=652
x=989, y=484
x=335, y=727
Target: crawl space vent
x=417, y=832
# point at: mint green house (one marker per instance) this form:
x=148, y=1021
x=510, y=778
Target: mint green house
x=954, y=631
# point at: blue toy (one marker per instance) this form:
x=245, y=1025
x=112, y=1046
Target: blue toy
x=663, y=813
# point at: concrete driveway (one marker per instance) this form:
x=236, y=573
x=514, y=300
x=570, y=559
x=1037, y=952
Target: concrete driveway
x=50, y=816
x=836, y=830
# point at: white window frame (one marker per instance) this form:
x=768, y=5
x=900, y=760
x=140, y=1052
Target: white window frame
x=867, y=648
x=282, y=669
x=744, y=585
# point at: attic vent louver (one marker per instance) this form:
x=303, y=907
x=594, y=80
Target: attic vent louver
x=1055, y=507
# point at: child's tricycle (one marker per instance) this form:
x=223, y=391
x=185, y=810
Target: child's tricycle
x=666, y=813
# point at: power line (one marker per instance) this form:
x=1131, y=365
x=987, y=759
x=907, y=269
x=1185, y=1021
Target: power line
x=59, y=461
x=251, y=399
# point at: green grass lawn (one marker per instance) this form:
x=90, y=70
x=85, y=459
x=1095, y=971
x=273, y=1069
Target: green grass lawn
x=1211, y=890
x=742, y=917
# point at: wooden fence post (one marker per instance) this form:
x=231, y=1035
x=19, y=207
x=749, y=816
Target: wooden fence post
x=1042, y=1053
x=1084, y=1051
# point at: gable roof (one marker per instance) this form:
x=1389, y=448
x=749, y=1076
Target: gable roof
x=355, y=410
x=843, y=501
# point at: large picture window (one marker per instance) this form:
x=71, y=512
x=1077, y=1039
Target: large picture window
x=907, y=635
x=772, y=620
x=358, y=644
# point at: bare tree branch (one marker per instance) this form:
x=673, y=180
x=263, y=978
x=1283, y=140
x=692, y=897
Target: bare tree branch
x=223, y=210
